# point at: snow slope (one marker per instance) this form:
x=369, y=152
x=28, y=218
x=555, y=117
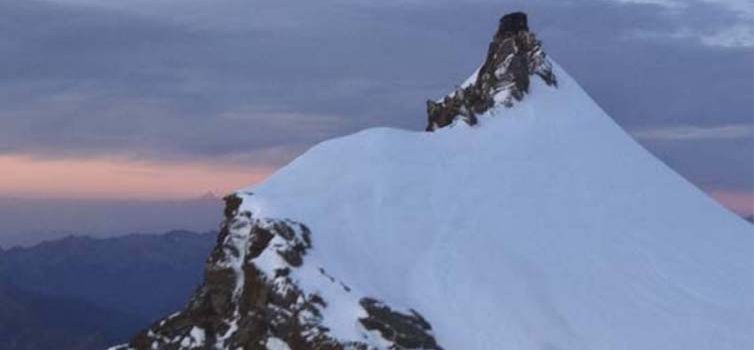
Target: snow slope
x=543, y=227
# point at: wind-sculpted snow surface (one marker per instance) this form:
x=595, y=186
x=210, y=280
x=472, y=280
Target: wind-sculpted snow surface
x=544, y=226
x=541, y=227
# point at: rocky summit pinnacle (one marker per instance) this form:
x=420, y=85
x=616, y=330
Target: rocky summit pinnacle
x=514, y=22
x=514, y=55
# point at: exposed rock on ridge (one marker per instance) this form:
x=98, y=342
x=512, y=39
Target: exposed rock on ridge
x=514, y=55
x=251, y=300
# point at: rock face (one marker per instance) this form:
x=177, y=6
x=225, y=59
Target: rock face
x=249, y=299
x=514, y=55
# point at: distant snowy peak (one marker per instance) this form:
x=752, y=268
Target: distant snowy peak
x=514, y=55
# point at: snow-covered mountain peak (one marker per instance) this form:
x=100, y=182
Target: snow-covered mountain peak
x=514, y=55
x=550, y=228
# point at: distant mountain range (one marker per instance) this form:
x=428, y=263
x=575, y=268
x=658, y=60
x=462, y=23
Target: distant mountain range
x=31, y=321
x=25, y=222
x=86, y=293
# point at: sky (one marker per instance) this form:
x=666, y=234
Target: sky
x=170, y=99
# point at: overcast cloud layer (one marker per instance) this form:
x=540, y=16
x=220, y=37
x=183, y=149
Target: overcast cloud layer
x=260, y=81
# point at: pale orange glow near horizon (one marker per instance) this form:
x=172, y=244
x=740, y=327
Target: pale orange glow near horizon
x=26, y=177
x=739, y=202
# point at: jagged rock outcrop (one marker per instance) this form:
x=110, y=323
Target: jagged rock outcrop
x=514, y=55
x=406, y=331
x=251, y=300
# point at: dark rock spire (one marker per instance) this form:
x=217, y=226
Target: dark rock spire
x=513, y=56
x=513, y=22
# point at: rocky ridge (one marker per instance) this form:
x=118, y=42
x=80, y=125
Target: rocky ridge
x=514, y=55
x=250, y=298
